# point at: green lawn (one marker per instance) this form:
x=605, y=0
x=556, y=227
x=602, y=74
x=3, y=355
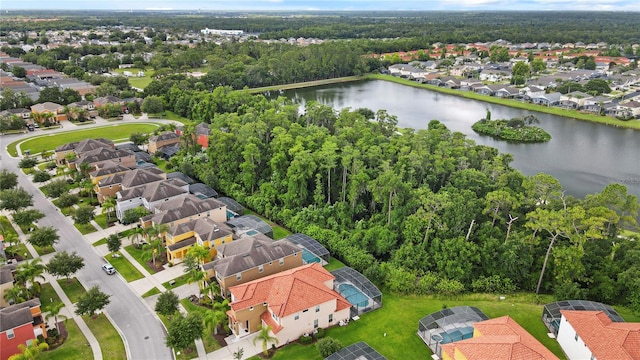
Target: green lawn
x=102, y=241
x=399, y=318
x=6, y=227
x=138, y=255
x=49, y=142
x=210, y=343
x=170, y=115
x=85, y=228
x=153, y=291
x=125, y=268
x=44, y=250
x=47, y=293
x=181, y=280
x=110, y=341
x=20, y=249
x=334, y=264
x=101, y=219
x=279, y=232
x=75, y=347
x=73, y=289
x=138, y=82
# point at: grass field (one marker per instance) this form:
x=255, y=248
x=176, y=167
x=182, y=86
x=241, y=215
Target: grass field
x=181, y=280
x=138, y=255
x=75, y=347
x=47, y=294
x=125, y=268
x=399, y=318
x=138, y=82
x=606, y=120
x=73, y=289
x=51, y=141
x=110, y=341
x=85, y=229
x=153, y=291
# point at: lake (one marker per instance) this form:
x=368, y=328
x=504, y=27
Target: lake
x=584, y=156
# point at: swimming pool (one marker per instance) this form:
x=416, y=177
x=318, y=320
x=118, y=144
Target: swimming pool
x=353, y=295
x=252, y=232
x=446, y=337
x=308, y=257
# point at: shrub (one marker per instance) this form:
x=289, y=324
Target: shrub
x=328, y=346
x=448, y=287
x=66, y=200
x=56, y=188
x=427, y=283
x=493, y=284
x=51, y=165
x=41, y=176
x=83, y=215
x=27, y=163
x=305, y=339
x=319, y=333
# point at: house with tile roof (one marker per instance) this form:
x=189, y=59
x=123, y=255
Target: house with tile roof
x=165, y=139
x=149, y=195
x=497, y=339
x=20, y=324
x=108, y=186
x=204, y=232
x=292, y=303
x=249, y=258
x=56, y=110
x=593, y=335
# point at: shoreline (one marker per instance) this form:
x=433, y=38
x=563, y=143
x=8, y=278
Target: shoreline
x=571, y=114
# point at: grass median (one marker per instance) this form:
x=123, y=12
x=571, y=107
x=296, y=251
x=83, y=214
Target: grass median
x=72, y=288
x=108, y=337
x=128, y=271
x=75, y=347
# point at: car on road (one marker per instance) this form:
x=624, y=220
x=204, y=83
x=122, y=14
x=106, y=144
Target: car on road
x=109, y=269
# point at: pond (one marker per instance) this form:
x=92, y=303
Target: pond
x=584, y=156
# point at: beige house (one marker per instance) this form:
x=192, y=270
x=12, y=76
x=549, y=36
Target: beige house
x=96, y=158
x=292, y=303
x=164, y=139
x=250, y=258
x=6, y=283
x=149, y=195
x=80, y=147
x=56, y=110
x=109, y=185
x=185, y=209
x=108, y=168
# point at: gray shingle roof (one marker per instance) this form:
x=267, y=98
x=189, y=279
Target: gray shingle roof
x=154, y=191
x=102, y=154
x=18, y=314
x=183, y=207
x=247, y=253
x=134, y=178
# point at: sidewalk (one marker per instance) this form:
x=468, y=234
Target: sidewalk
x=68, y=306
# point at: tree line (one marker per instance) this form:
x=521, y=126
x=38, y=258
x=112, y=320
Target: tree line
x=416, y=211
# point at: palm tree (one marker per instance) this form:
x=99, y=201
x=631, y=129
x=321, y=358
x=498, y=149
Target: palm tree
x=136, y=233
x=108, y=205
x=153, y=250
x=265, y=336
x=27, y=272
x=17, y=294
x=197, y=276
x=30, y=352
x=54, y=312
x=215, y=317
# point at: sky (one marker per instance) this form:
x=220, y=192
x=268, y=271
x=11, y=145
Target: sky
x=310, y=5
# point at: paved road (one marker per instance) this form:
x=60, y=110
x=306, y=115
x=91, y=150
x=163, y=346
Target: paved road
x=142, y=331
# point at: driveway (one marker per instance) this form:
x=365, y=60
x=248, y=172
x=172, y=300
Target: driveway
x=141, y=330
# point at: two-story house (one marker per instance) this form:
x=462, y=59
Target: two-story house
x=80, y=147
x=20, y=324
x=97, y=157
x=186, y=208
x=292, y=303
x=250, y=258
x=109, y=186
x=149, y=195
x=164, y=139
x=204, y=232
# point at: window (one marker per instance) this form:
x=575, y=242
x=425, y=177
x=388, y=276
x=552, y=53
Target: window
x=238, y=276
x=274, y=316
x=281, y=261
x=10, y=334
x=261, y=268
x=270, y=262
x=317, y=308
x=330, y=318
x=576, y=337
x=305, y=310
x=315, y=323
x=297, y=316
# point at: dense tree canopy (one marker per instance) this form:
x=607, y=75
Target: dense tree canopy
x=415, y=210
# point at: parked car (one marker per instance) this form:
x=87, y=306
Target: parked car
x=109, y=269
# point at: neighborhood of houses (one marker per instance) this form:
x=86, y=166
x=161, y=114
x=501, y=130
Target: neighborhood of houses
x=283, y=284
x=464, y=70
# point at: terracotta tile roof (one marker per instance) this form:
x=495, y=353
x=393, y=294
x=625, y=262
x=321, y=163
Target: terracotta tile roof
x=499, y=339
x=275, y=327
x=289, y=291
x=606, y=339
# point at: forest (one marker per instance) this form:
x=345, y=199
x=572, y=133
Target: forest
x=426, y=27
x=425, y=211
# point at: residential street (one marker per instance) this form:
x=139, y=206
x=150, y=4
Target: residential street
x=142, y=331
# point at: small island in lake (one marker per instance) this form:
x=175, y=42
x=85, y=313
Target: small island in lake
x=519, y=129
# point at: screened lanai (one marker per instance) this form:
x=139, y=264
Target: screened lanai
x=363, y=295
x=449, y=325
x=551, y=313
x=315, y=252
x=232, y=206
x=358, y=351
x=246, y=224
